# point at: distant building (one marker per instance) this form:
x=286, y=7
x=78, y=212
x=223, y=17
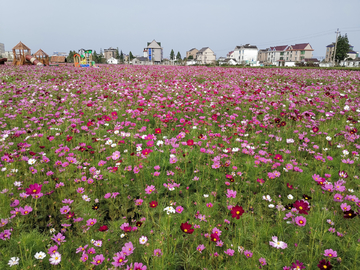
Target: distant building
x=140, y=60
x=298, y=52
x=191, y=52
x=2, y=48
x=276, y=54
x=113, y=61
x=205, y=56
x=262, y=55
x=108, y=53
x=60, y=54
x=154, y=52
x=245, y=54
x=330, y=53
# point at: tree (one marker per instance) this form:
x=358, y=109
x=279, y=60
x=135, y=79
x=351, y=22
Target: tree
x=117, y=55
x=342, y=48
x=172, y=54
x=178, y=56
x=131, y=56
x=121, y=57
x=190, y=57
x=95, y=57
x=70, y=57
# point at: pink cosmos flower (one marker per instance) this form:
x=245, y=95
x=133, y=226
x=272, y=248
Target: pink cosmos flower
x=59, y=238
x=262, y=261
x=277, y=244
x=248, y=253
x=345, y=207
x=53, y=249
x=128, y=248
x=98, y=259
x=200, y=248
x=84, y=257
x=65, y=209
x=91, y=222
x=138, y=202
x=119, y=259
x=330, y=253
x=231, y=193
x=26, y=210
x=149, y=189
x=138, y=266
x=179, y=209
x=300, y=221
x=338, y=197
x=157, y=252
x=33, y=189
x=229, y=252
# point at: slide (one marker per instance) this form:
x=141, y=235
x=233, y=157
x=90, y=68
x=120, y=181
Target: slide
x=2, y=61
x=33, y=60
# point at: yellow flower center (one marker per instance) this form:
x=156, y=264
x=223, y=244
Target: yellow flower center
x=34, y=190
x=300, y=208
x=237, y=212
x=185, y=230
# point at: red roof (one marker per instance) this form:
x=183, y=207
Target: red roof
x=301, y=46
x=278, y=48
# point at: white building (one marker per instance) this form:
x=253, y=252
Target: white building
x=275, y=54
x=245, y=54
x=112, y=61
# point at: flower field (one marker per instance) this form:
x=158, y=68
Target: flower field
x=154, y=167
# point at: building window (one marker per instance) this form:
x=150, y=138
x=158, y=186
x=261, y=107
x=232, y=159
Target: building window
x=302, y=52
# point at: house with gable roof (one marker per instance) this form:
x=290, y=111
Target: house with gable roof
x=298, y=52
x=245, y=54
x=276, y=54
x=192, y=53
x=205, y=56
x=154, y=52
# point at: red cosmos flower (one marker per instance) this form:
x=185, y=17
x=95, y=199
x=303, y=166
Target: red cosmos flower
x=153, y=204
x=214, y=117
x=186, y=228
x=237, y=211
x=32, y=153
x=69, y=215
x=158, y=130
x=103, y=228
x=140, y=109
x=107, y=118
x=278, y=157
x=127, y=229
x=68, y=138
x=145, y=152
x=114, y=113
x=214, y=237
x=190, y=142
x=34, y=189
x=353, y=131
x=114, y=169
x=289, y=186
x=315, y=129
x=349, y=214
x=283, y=123
x=323, y=264
x=89, y=124
x=302, y=207
x=89, y=105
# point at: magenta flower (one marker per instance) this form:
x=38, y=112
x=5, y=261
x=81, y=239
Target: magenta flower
x=59, y=238
x=98, y=259
x=179, y=209
x=330, y=253
x=200, y=248
x=128, y=249
x=149, y=189
x=139, y=266
x=119, y=259
x=229, y=252
x=81, y=249
x=300, y=221
x=138, y=202
x=33, y=189
x=262, y=261
x=84, y=257
x=53, y=249
x=231, y=193
x=26, y=210
x=65, y=209
x=248, y=253
x=91, y=251
x=338, y=197
x=345, y=207
x=157, y=252
x=298, y=265
x=91, y=222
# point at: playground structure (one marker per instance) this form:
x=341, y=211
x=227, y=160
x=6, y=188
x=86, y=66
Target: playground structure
x=22, y=56
x=84, y=59
x=2, y=61
x=42, y=57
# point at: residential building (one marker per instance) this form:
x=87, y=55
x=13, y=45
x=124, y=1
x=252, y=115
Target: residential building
x=231, y=55
x=262, y=55
x=330, y=52
x=154, y=52
x=112, y=61
x=140, y=60
x=9, y=55
x=2, y=48
x=245, y=54
x=109, y=53
x=205, y=56
x=192, y=52
x=276, y=54
x=298, y=52
x=60, y=54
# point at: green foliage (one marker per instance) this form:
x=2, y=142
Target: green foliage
x=121, y=57
x=131, y=56
x=342, y=48
x=178, y=56
x=172, y=55
x=117, y=55
x=70, y=57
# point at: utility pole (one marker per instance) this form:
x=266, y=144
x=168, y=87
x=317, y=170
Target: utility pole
x=337, y=33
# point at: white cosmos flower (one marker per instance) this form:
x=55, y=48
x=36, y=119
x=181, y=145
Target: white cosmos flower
x=289, y=140
x=122, y=235
x=113, y=145
x=52, y=230
x=271, y=205
x=267, y=198
x=3, y=169
x=55, y=258
x=108, y=142
x=169, y=210
x=143, y=240
x=328, y=138
x=351, y=190
x=31, y=161
x=13, y=261
x=116, y=132
x=40, y=255
x=345, y=152
x=347, y=108
x=159, y=143
x=290, y=197
x=206, y=195
x=235, y=149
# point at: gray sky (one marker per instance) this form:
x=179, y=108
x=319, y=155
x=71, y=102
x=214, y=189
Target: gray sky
x=180, y=25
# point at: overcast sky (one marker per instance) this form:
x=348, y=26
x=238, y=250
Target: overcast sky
x=180, y=25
